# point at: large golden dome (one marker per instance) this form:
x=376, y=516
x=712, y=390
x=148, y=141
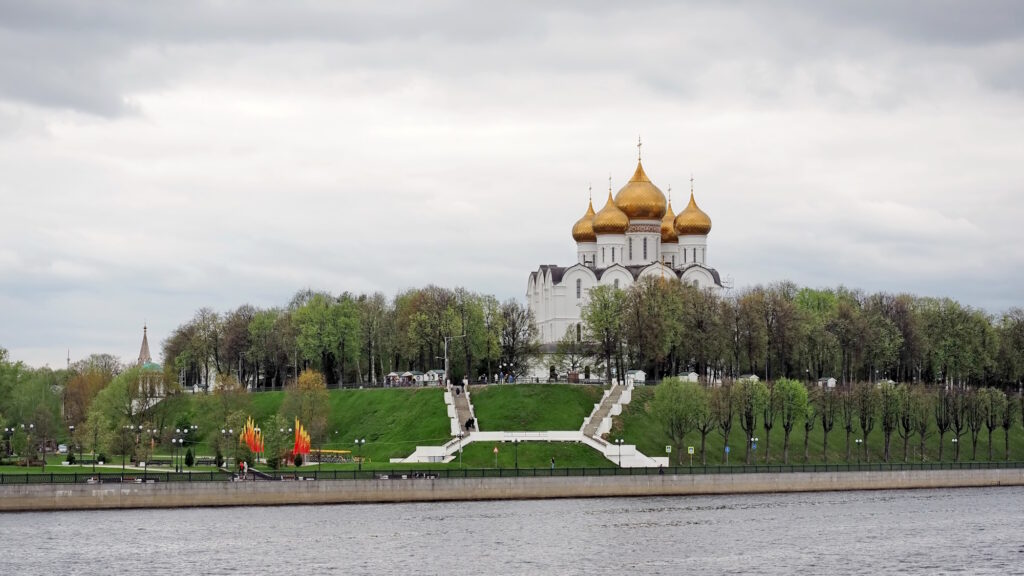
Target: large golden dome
x=668, y=225
x=640, y=199
x=693, y=221
x=610, y=220
x=583, y=229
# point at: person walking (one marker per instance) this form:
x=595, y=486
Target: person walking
x=552, y=462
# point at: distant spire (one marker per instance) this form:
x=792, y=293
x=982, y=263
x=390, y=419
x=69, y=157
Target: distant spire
x=669, y=193
x=69, y=358
x=639, y=143
x=144, y=356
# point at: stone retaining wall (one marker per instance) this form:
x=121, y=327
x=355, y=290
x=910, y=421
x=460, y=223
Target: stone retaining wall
x=184, y=494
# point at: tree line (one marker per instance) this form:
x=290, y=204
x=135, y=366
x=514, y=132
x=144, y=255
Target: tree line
x=784, y=331
x=353, y=338
x=909, y=417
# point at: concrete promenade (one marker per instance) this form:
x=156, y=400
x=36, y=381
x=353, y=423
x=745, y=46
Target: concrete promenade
x=183, y=494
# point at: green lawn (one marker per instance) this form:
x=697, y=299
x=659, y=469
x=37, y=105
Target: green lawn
x=533, y=455
x=533, y=407
x=638, y=426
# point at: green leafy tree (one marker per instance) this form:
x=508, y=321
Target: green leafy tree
x=889, y=413
x=828, y=401
x=749, y=397
x=995, y=408
x=1007, y=418
x=810, y=416
x=722, y=408
x=866, y=399
x=678, y=405
x=602, y=318
x=792, y=402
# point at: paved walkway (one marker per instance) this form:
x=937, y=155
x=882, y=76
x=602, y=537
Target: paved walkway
x=463, y=411
x=602, y=412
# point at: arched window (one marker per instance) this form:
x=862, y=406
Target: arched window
x=603, y=255
x=579, y=288
x=673, y=260
x=616, y=283
x=631, y=249
x=645, y=249
x=613, y=253
x=684, y=255
x=579, y=332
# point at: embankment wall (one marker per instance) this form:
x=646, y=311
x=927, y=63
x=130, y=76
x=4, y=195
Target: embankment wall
x=187, y=494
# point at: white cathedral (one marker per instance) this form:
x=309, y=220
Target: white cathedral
x=636, y=235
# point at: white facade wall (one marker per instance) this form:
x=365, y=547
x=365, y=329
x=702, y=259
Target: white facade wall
x=586, y=252
x=693, y=250
x=609, y=249
x=670, y=253
x=641, y=231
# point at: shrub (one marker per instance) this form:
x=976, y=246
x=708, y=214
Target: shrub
x=218, y=460
x=298, y=460
x=190, y=459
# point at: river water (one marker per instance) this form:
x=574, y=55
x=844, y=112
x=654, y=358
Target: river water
x=970, y=531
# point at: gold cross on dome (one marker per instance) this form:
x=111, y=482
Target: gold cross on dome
x=639, y=143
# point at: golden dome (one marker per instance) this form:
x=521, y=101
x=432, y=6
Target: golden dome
x=668, y=225
x=583, y=229
x=640, y=199
x=610, y=220
x=692, y=221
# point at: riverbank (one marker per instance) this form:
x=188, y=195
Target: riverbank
x=53, y=497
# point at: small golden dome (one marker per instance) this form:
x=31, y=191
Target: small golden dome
x=610, y=220
x=583, y=230
x=668, y=225
x=640, y=199
x=692, y=221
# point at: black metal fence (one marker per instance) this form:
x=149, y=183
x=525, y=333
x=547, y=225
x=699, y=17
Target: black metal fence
x=443, y=473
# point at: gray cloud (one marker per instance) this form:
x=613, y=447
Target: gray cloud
x=163, y=157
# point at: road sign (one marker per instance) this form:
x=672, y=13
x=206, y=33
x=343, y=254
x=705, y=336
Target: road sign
x=668, y=449
x=726, y=449
x=689, y=450
x=495, y=449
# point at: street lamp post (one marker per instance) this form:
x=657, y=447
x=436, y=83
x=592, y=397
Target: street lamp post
x=619, y=441
x=71, y=440
x=859, y=442
x=955, y=441
x=460, y=435
x=753, y=445
x=515, y=442
x=359, y=445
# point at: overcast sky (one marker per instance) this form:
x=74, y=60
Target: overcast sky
x=157, y=157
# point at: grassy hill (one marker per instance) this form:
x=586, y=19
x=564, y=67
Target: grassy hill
x=532, y=407
x=637, y=425
x=393, y=421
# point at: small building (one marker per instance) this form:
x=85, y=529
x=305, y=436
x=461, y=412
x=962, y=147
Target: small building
x=434, y=377
x=689, y=377
x=751, y=377
x=826, y=382
x=636, y=376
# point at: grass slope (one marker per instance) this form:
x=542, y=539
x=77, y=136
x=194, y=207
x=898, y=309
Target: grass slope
x=533, y=407
x=393, y=421
x=637, y=425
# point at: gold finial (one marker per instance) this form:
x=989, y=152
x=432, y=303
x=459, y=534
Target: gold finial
x=639, y=143
x=669, y=193
x=609, y=182
x=590, y=192
x=691, y=182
